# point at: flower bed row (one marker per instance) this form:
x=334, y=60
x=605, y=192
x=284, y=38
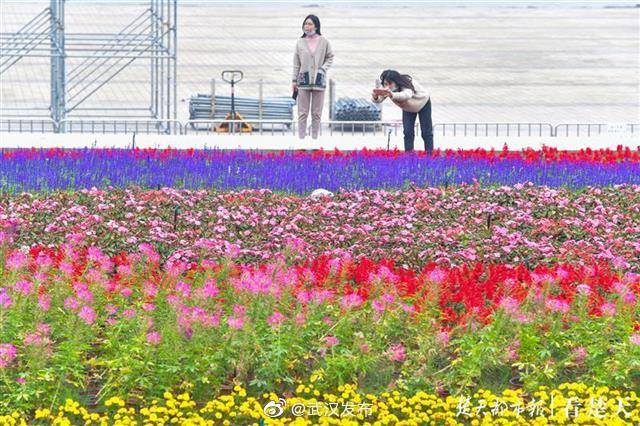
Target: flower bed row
x=45, y=170
x=76, y=323
x=570, y=403
x=523, y=224
x=546, y=154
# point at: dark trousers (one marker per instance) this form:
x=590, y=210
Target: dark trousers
x=426, y=128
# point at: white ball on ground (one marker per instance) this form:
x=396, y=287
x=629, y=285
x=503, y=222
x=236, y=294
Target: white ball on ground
x=321, y=193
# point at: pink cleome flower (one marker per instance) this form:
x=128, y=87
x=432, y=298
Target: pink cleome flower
x=8, y=353
x=557, y=305
x=608, y=309
x=276, y=319
x=24, y=287
x=153, y=338
x=510, y=305
x=44, y=302
x=442, y=338
x=88, y=314
x=397, y=353
x=331, y=341
x=235, y=322
x=17, y=260
x=5, y=300
x=579, y=354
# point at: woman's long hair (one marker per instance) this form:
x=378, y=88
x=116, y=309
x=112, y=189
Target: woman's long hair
x=401, y=80
x=316, y=22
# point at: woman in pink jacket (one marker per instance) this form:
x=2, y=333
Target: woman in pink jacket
x=414, y=101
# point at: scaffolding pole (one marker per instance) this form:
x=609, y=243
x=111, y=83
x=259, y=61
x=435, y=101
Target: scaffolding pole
x=58, y=74
x=82, y=64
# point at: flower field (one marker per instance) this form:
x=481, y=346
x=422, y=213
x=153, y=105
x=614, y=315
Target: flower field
x=302, y=172
x=208, y=287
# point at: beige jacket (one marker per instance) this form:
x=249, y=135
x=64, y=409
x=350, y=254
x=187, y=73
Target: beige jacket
x=406, y=99
x=310, y=71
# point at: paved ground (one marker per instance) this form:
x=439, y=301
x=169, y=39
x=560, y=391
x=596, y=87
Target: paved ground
x=481, y=63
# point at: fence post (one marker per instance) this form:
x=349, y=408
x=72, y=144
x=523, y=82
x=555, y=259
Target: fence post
x=260, y=98
x=332, y=97
x=213, y=102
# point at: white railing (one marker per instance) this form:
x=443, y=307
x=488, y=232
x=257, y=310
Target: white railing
x=495, y=129
x=120, y=126
x=589, y=129
x=28, y=125
x=286, y=127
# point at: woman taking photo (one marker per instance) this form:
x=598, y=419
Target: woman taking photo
x=414, y=101
x=311, y=61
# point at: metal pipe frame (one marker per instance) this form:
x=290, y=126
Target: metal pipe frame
x=25, y=40
x=83, y=63
x=58, y=72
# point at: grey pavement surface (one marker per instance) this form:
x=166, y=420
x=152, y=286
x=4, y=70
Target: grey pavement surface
x=489, y=63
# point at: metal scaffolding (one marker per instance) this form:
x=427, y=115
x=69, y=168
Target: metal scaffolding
x=83, y=63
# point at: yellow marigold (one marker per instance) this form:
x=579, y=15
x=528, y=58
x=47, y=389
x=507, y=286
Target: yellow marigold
x=114, y=401
x=43, y=413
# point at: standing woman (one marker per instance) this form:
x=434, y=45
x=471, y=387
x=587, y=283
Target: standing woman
x=311, y=61
x=414, y=101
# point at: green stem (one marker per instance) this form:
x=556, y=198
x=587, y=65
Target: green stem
x=55, y=395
